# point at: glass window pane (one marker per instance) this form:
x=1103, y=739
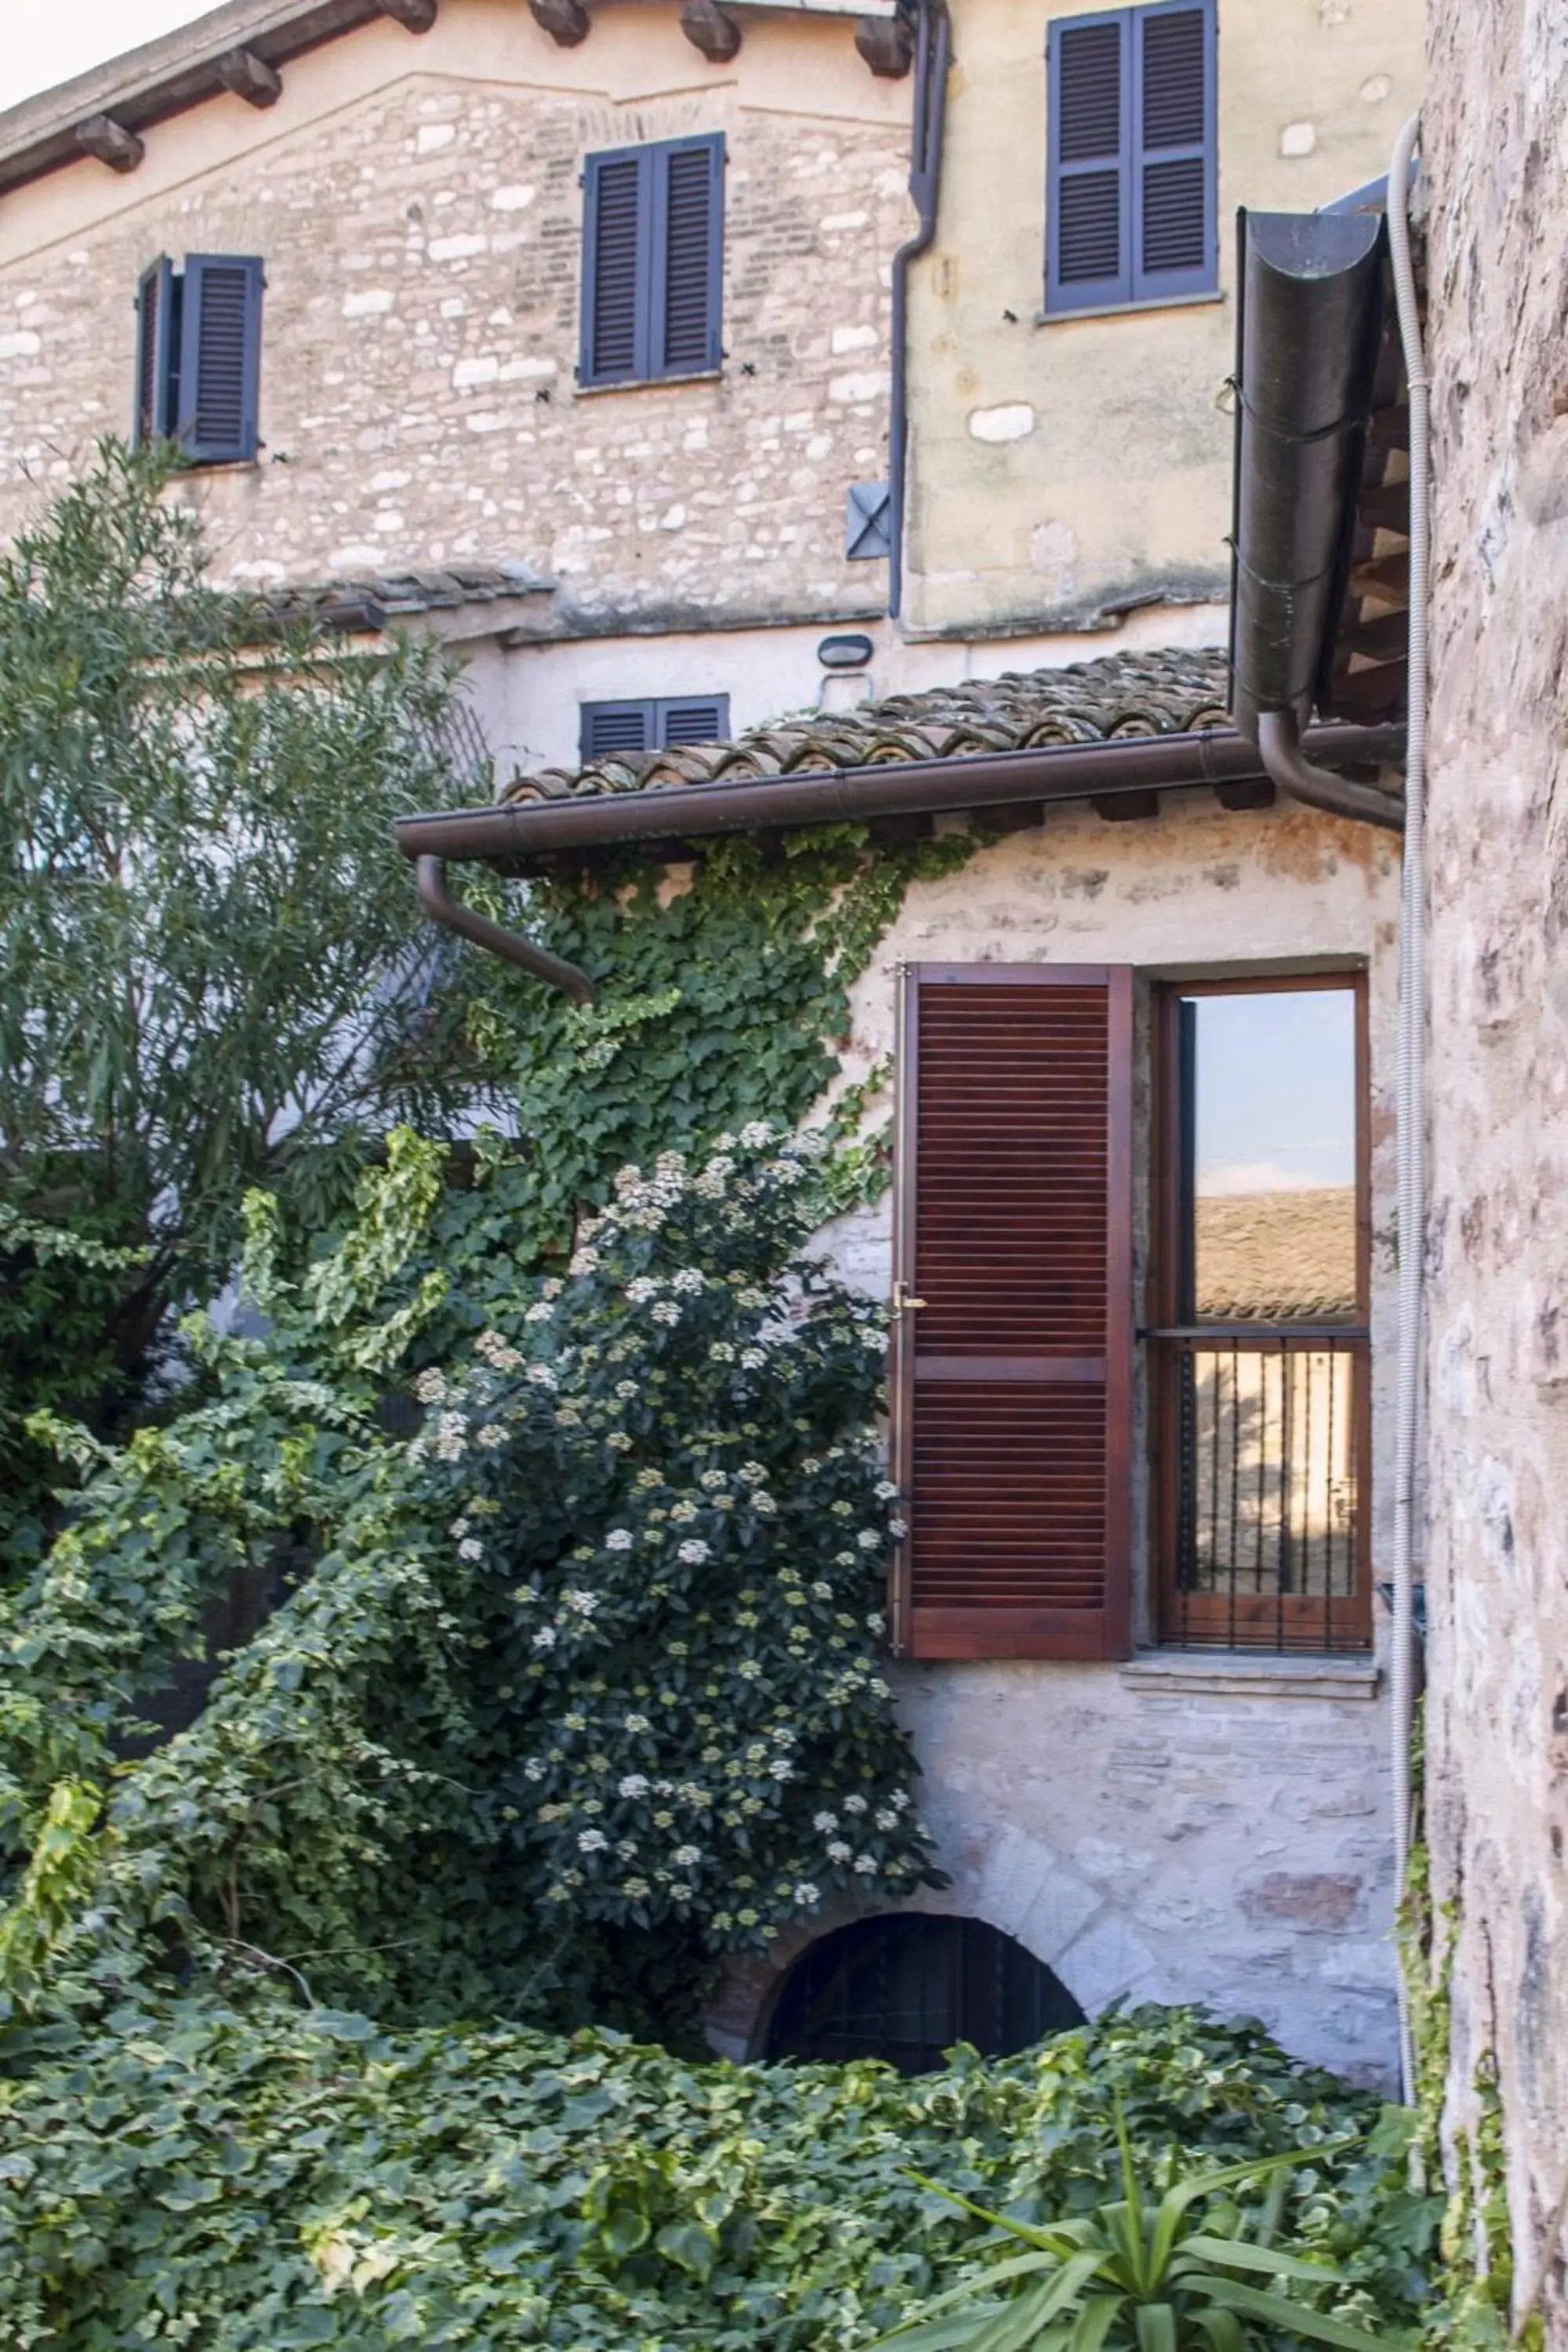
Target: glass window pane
x=1271, y=1155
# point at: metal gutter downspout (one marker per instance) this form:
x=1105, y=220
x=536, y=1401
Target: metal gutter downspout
x=430, y=876
x=1280, y=749
x=933, y=51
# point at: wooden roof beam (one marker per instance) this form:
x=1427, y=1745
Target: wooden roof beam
x=413, y=15
x=566, y=21
x=709, y=30
x=110, y=141
x=249, y=77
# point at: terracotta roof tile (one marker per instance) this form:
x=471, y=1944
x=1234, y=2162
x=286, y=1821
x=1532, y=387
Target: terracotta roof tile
x=1152, y=693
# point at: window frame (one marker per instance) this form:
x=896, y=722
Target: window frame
x=1277, y=1623
x=651, y=324
x=1133, y=287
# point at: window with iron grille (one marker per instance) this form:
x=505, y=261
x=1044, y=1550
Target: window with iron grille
x=653, y=724
x=653, y=251
x=1132, y=193
x=906, y=1987
x=198, y=356
x=1259, y=1356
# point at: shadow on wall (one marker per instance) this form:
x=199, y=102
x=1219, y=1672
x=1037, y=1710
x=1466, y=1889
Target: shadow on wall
x=906, y=1986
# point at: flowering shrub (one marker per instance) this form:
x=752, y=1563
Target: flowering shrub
x=594, y=1653
x=670, y=1451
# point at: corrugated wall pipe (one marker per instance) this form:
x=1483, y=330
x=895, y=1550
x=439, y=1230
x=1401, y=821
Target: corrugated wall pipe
x=1410, y=1105
x=933, y=45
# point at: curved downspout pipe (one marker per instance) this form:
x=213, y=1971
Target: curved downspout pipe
x=1410, y=1103
x=1280, y=749
x=934, y=42
x=430, y=874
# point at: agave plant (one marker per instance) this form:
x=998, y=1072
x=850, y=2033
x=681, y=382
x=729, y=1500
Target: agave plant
x=1139, y=2276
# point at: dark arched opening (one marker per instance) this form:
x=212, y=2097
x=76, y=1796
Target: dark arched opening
x=905, y=1988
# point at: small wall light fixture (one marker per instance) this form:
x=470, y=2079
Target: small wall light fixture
x=845, y=653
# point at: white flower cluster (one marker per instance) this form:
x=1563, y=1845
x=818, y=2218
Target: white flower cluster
x=501, y=1356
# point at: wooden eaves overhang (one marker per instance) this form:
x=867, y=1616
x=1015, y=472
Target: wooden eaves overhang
x=243, y=46
x=1115, y=733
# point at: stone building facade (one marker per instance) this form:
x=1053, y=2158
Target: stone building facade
x=1494, y=133
x=1194, y=1825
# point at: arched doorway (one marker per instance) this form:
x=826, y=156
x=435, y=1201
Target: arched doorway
x=906, y=1987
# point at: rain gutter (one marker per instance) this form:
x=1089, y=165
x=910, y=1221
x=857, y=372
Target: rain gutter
x=1309, y=315
x=1127, y=768
x=933, y=45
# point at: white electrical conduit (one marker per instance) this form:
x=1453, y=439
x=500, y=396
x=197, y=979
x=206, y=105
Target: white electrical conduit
x=1410, y=1089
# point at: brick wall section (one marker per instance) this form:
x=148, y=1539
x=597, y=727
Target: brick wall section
x=421, y=331
x=1495, y=127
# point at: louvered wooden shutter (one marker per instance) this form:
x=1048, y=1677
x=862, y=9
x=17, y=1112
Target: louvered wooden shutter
x=686, y=295
x=1088, y=238
x=220, y=357
x=701, y=718
x=610, y=726
x=1012, y=1375
x=652, y=261
x=151, y=417
x=1173, y=193
x=618, y=225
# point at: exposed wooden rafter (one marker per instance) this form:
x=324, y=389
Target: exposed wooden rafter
x=709, y=29
x=249, y=77
x=566, y=21
x=110, y=141
x=886, y=44
x=415, y=15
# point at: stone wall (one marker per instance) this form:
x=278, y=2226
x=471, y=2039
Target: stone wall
x=1189, y=1827
x=1495, y=129
x=419, y=208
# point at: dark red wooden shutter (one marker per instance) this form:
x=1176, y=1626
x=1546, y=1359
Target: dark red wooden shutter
x=220, y=357
x=1011, y=1370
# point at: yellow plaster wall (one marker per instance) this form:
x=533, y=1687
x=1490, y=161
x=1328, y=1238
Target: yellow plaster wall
x=1118, y=484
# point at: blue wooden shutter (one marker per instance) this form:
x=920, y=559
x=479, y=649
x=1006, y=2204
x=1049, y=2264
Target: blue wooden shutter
x=152, y=416
x=688, y=252
x=1173, y=193
x=618, y=227
x=1089, y=245
x=611, y=727
x=220, y=357
x=697, y=719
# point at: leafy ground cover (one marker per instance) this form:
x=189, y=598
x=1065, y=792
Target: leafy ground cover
x=247, y=2179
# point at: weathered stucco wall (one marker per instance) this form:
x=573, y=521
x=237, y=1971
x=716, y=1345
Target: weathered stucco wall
x=1186, y=1827
x=1495, y=130
x=1059, y=469
x=418, y=204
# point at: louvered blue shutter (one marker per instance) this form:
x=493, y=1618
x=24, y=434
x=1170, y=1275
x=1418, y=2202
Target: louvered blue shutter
x=152, y=415
x=1089, y=245
x=220, y=357
x=687, y=256
x=618, y=227
x=700, y=718
x=611, y=727
x=1173, y=193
